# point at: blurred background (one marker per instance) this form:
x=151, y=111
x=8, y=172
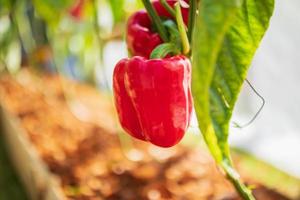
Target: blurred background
x=83, y=40
x=275, y=135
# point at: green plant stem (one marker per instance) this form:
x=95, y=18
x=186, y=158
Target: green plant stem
x=5, y=68
x=182, y=30
x=192, y=14
x=96, y=26
x=168, y=7
x=13, y=19
x=100, y=42
x=234, y=178
x=156, y=20
x=163, y=50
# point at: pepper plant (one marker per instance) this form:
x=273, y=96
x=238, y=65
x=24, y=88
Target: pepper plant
x=220, y=39
x=152, y=89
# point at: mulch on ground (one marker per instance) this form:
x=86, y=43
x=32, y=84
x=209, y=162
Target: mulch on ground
x=73, y=127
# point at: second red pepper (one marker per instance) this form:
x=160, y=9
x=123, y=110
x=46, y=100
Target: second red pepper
x=140, y=37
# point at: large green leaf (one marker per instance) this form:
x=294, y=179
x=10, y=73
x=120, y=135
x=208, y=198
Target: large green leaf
x=212, y=23
x=226, y=36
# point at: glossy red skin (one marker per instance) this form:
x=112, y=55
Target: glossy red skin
x=126, y=112
x=153, y=98
x=141, y=40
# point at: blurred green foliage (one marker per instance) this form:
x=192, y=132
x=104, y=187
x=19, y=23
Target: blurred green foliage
x=10, y=186
x=5, y=6
x=47, y=36
x=117, y=7
x=50, y=10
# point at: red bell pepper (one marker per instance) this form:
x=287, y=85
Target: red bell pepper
x=140, y=38
x=153, y=98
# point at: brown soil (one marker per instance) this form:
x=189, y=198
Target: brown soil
x=78, y=140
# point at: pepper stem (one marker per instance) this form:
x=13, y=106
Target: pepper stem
x=182, y=30
x=192, y=14
x=168, y=7
x=163, y=50
x=156, y=20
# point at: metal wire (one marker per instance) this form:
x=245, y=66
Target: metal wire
x=237, y=125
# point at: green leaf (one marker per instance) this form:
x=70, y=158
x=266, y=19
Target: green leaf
x=225, y=38
x=174, y=34
x=212, y=23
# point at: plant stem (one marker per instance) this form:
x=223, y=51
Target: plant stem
x=13, y=19
x=163, y=50
x=234, y=178
x=192, y=14
x=5, y=68
x=168, y=7
x=156, y=20
x=95, y=23
x=182, y=30
x=100, y=43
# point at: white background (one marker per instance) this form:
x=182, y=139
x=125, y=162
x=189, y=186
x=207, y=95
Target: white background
x=275, y=73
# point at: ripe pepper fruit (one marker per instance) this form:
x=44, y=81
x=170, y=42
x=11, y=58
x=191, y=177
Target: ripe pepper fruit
x=153, y=98
x=140, y=38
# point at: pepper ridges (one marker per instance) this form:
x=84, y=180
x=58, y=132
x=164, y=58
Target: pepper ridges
x=153, y=98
